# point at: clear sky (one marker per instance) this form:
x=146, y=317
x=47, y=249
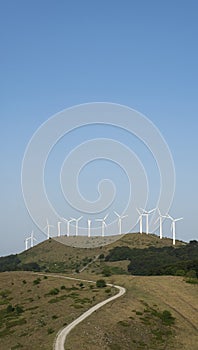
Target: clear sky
x=56, y=54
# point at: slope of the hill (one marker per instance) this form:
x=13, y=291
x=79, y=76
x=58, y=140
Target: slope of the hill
x=157, y=312
x=52, y=256
x=33, y=308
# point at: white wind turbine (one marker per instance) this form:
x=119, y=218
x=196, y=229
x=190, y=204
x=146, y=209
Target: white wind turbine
x=31, y=239
x=77, y=221
x=146, y=213
x=68, y=222
x=103, y=223
x=26, y=243
x=59, y=228
x=140, y=220
x=160, y=218
x=120, y=221
x=48, y=228
x=173, y=228
x=89, y=227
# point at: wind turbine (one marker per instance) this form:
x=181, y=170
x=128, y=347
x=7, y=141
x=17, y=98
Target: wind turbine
x=31, y=239
x=103, y=223
x=140, y=220
x=26, y=243
x=48, y=229
x=120, y=221
x=160, y=222
x=146, y=213
x=89, y=227
x=173, y=228
x=59, y=228
x=77, y=220
x=68, y=222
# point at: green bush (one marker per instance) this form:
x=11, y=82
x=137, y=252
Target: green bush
x=100, y=283
x=50, y=330
x=9, y=308
x=54, y=291
x=37, y=281
x=106, y=271
x=19, y=309
x=167, y=318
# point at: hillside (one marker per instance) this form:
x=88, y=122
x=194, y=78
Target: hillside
x=142, y=319
x=131, y=254
x=155, y=313
x=33, y=307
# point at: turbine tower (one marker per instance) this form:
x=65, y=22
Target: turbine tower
x=77, y=220
x=89, y=227
x=31, y=239
x=160, y=218
x=48, y=228
x=68, y=222
x=26, y=243
x=103, y=224
x=146, y=213
x=140, y=220
x=59, y=228
x=120, y=221
x=173, y=226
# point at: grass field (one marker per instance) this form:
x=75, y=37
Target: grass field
x=157, y=312
x=139, y=320
x=33, y=308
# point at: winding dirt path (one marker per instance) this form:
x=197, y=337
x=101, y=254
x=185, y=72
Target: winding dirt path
x=62, y=334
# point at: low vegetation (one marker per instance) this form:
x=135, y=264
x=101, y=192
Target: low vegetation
x=182, y=261
x=33, y=309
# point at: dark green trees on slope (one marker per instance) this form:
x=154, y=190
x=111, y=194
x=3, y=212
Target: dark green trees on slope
x=158, y=261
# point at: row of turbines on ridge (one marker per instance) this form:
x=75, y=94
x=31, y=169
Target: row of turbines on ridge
x=141, y=212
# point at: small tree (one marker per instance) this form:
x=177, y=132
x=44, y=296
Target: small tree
x=100, y=283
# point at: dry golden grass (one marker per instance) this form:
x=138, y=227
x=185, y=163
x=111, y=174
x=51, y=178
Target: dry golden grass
x=129, y=322
x=41, y=319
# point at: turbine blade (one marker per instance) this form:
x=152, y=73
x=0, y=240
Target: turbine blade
x=156, y=220
x=106, y=216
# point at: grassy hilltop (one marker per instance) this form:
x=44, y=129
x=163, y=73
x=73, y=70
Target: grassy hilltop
x=158, y=311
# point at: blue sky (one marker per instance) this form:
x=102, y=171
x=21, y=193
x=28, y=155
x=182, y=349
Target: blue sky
x=54, y=55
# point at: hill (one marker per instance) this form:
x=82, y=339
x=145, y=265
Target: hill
x=156, y=313
x=127, y=255
x=52, y=256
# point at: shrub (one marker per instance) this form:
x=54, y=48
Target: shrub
x=191, y=274
x=100, y=283
x=54, y=291
x=101, y=256
x=19, y=309
x=167, y=318
x=9, y=308
x=37, y=281
x=106, y=271
x=54, y=317
x=50, y=330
